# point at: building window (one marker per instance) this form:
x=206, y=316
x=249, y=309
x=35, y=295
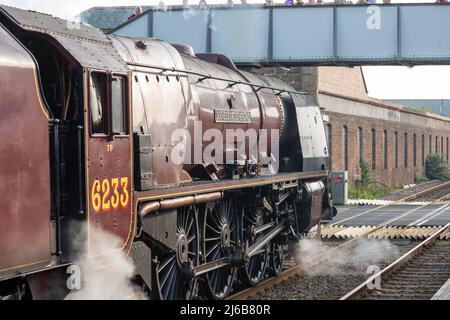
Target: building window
x=330, y=144
x=436, y=146
x=374, y=150
x=423, y=150
x=446, y=152
x=359, y=141
x=385, y=149
x=396, y=149
x=345, y=148
x=430, y=145
x=414, y=150
x=405, y=150
x=442, y=147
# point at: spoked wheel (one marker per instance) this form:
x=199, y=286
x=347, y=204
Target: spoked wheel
x=220, y=235
x=276, y=257
x=255, y=269
x=173, y=275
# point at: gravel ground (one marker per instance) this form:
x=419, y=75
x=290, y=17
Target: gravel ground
x=420, y=279
x=331, y=282
x=435, y=195
x=410, y=191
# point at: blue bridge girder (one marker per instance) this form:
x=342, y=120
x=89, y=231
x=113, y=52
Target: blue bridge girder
x=385, y=34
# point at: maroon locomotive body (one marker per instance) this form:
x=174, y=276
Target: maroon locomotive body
x=198, y=169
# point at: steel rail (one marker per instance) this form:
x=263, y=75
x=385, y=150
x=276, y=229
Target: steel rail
x=407, y=198
x=387, y=222
x=397, y=264
x=421, y=193
x=288, y=273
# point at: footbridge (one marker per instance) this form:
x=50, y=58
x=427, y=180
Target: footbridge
x=385, y=34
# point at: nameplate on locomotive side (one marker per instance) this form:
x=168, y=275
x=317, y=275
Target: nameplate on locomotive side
x=232, y=116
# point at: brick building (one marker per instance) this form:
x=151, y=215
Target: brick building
x=394, y=140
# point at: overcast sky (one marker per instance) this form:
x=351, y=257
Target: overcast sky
x=425, y=82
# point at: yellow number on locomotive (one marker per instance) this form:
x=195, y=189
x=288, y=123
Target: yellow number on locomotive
x=96, y=199
x=107, y=195
x=116, y=197
x=105, y=200
x=124, y=198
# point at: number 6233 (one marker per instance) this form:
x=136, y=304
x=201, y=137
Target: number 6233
x=107, y=195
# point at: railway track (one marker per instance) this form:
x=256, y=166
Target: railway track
x=424, y=193
x=415, y=190
x=418, y=274
x=253, y=292
x=421, y=193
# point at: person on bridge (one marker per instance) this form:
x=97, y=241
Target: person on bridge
x=137, y=11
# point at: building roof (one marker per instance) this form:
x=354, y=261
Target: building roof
x=108, y=18
x=349, y=83
x=439, y=106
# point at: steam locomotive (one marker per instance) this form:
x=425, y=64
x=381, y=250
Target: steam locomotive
x=202, y=171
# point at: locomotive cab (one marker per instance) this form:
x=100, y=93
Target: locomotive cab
x=108, y=160
x=87, y=101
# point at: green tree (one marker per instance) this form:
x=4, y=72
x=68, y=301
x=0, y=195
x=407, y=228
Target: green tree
x=436, y=168
x=366, y=172
x=426, y=109
x=419, y=177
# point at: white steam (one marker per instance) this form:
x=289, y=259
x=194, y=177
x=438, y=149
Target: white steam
x=107, y=276
x=364, y=253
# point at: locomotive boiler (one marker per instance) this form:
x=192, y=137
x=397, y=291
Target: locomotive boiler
x=202, y=171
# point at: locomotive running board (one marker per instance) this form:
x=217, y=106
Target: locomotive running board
x=225, y=185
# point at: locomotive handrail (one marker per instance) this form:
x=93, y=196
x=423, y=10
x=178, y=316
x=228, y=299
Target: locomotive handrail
x=55, y=125
x=256, y=87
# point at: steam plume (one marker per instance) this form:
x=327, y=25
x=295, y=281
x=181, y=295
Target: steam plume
x=366, y=252
x=113, y=280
